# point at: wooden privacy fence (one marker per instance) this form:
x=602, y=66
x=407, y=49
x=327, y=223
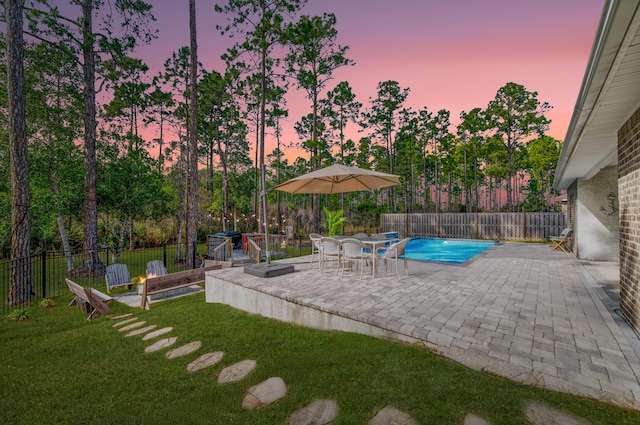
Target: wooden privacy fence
x=535, y=226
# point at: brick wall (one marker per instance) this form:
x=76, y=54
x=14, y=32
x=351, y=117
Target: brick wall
x=628, y=188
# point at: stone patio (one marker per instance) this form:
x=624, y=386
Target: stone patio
x=518, y=310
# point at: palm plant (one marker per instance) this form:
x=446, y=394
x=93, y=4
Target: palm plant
x=333, y=221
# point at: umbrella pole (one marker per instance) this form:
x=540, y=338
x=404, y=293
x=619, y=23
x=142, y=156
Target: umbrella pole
x=263, y=201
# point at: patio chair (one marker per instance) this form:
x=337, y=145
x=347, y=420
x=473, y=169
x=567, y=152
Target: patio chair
x=330, y=250
x=353, y=251
x=156, y=268
x=316, y=246
x=360, y=235
x=396, y=252
x=117, y=275
x=561, y=242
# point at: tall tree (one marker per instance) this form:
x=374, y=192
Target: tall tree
x=192, y=217
x=259, y=23
x=223, y=130
x=312, y=59
x=425, y=129
x=21, y=285
x=160, y=103
x=513, y=115
x=176, y=79
x=471, y=130
x=84, y=45
x=54, y=108
x=384, y=115
x=340, y=107
x=130, y=98
x=542, y=158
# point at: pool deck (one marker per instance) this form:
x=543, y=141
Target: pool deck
x=518, y=310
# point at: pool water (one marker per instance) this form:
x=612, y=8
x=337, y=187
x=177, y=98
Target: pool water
x=455, y=251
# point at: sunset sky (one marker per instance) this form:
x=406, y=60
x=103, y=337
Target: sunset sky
x=452, y=54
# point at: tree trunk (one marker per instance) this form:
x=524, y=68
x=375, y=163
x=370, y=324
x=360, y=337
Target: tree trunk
x=161, y=138
x=92, y=264
x=225, y=186
x=192, y=217
x=21, y=284
x=179, y=236
x=132, y=244
x=65, y=244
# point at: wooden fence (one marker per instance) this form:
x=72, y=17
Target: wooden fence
x=537, y=226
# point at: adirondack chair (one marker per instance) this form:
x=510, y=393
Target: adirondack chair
x=117, y=275
x=561, y=242
x=156, y=268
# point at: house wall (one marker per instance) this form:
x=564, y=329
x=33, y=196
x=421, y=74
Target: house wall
x=572, y=200
x=628, y=187
x=596, y=223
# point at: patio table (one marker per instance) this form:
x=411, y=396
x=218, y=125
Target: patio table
x=373, y=243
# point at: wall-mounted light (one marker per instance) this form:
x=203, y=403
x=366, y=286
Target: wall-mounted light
x=612, y=205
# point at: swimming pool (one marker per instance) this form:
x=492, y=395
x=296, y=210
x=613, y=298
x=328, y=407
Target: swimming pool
x=455, y=251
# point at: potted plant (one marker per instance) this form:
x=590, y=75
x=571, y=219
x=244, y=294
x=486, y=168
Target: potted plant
x=333, y=221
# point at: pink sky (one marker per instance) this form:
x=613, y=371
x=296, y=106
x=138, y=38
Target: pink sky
x=452, y=54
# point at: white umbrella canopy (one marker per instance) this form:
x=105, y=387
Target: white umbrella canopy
x=338, y=178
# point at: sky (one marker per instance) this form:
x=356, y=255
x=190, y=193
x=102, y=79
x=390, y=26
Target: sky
x=451, y=54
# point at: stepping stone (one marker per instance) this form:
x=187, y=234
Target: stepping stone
x=122, y=316
x=541, y=414
x=472, y=419
x=159, y=345
x=156, y=333
x=265, y=393
x=132, y=326
x=205, y=361
x=124, y=322
x=392, y=416
x=319, y=412
x=184, y=350
x=236, y=372
x=141, y=330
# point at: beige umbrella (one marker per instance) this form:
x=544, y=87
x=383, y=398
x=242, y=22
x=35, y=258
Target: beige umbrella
x=338, y=178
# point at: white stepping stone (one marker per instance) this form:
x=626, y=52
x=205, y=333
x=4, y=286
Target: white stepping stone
x=540, y=414
x=236, y=372
x=141, y=330
x=132, y=326
x=157, y=333
x=205, y=361
x=392, y=416
x=159, y=345
x=122, y=316
x=184, y=350
x=265, y=393
x=124, y=322
x=472, y=419
x=319, y=412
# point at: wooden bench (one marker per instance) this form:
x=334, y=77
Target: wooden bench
x=171, y=281
x=96, y=299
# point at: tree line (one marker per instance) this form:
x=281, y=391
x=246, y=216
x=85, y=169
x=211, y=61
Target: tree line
x=82, y=173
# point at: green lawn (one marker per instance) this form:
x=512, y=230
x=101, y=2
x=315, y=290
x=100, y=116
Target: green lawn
x=59, y=368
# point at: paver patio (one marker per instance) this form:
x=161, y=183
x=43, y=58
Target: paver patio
x=518, y=310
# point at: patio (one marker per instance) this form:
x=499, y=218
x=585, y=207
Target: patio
x=519, y=310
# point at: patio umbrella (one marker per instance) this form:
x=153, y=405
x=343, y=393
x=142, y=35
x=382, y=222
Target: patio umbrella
x=338, y=178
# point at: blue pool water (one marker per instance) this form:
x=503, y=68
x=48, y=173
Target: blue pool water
x=454, y=251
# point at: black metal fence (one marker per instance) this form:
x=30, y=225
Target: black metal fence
x=49, y=270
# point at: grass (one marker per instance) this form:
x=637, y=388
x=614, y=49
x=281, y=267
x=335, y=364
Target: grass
x=59, y=368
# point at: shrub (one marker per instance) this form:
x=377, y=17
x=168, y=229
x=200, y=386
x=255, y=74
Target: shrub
x=47, y=303
x=19, y=314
